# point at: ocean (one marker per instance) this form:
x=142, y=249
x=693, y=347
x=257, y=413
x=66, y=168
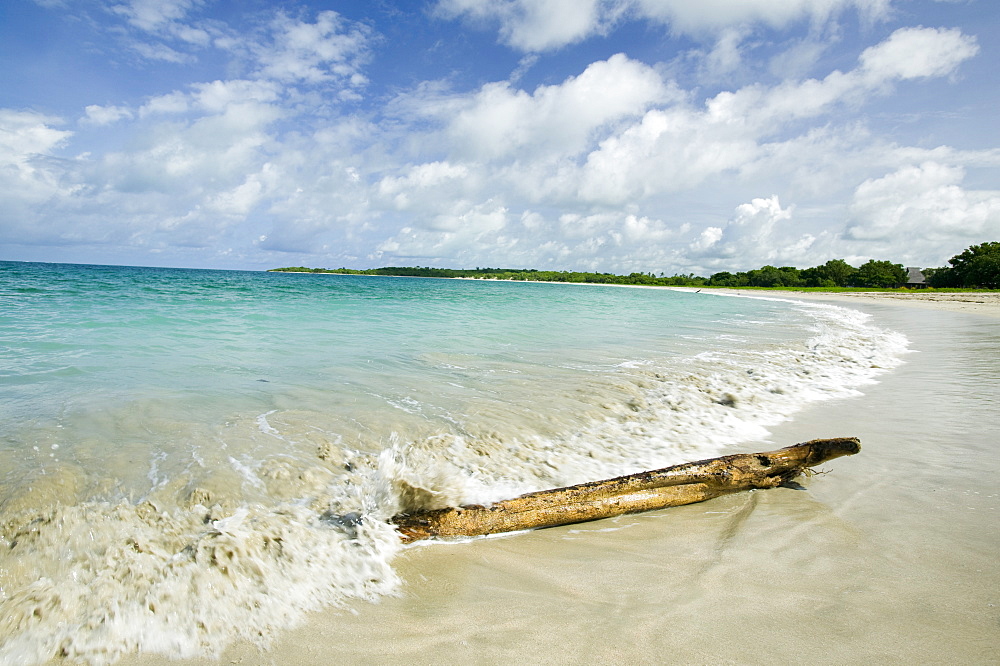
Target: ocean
x=190, y=457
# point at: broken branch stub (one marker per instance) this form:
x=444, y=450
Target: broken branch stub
x=671, y=486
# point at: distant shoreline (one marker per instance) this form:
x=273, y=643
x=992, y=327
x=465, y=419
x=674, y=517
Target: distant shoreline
x=970, y=302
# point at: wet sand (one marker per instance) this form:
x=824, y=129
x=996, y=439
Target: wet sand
x=980, y=302
x=888, y=558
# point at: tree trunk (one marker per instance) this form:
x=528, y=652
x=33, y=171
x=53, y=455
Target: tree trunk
x=671, y=486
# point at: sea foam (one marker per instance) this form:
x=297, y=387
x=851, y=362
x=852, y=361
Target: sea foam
x=216, y=531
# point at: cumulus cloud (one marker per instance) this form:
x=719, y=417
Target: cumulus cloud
x=28, y=142
x=150, y=15
x=501, y=120
x=170, y=103
x=161, y=30
x=918, y=206
x=679, y=147
x=162, y=53
x=425, y=185
x=912, y=53
x=613, y=135
x=760, y=233
x=492, y=234
x=30, y=171
x=191, y=160
x=614, y=167
x=240, y=200
x=24, y=134
x=330, y=48
x=675, y=147
x=712, y=15
x=540, y=25
x=200, y=160
x=727, y=55
x=219, y=96
x=450, y=234
x=105, y=115
x=536, y=25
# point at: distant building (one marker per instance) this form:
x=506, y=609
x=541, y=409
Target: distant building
x=914, y=279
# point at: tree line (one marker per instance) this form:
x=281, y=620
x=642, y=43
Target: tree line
x=976, y=267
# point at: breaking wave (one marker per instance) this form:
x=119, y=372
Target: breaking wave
x=241, y=545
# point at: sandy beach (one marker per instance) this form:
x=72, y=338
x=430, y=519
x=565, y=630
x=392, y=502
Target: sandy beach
x=889, y=557
x=981, y=302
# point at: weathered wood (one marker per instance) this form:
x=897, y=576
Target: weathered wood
x=671, y=486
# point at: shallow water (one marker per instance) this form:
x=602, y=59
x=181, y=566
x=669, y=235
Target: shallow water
x=194, y=457
x=889, y=557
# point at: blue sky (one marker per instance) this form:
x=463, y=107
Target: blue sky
x=611, y=135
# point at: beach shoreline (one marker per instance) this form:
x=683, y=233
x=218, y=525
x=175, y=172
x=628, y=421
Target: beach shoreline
x=888, y=557
x=971, y=302
x=977, y=302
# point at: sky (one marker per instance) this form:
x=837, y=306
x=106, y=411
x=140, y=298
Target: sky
x=663, y=136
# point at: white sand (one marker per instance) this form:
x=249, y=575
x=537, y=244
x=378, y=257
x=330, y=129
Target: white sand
x=890, y=558
x=979, y=302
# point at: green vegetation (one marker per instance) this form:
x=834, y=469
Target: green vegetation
x=834, y=273
x=520, y=274
x=976, y=267
x=883, y=274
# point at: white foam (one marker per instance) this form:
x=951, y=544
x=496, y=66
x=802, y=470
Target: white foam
x=265, y=427
x=247, y=470
x=123, y=578
x=692, y=409
x=95, y=580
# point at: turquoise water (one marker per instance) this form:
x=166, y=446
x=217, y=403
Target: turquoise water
x=188, y=457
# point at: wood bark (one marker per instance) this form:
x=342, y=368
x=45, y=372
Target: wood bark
x=671, y=486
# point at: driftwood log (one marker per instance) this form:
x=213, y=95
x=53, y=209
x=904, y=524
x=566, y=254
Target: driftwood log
x=671, y=486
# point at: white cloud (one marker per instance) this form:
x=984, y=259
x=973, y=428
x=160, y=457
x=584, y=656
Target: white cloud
x=162, y=52
x=668, y=150
x=613, y=168
x=332, y=48
x=24, y=134
x=500, y=120
x=219, y=96
x=726, y=56
x=181, y=180
x=186, y=160
x=500, y=136
x=490, y=233
x=105, y=115
x=451, y=235
x=679, y=147
x=241, y=200
x=518, y=150
x=711, y=15
x=151, y=24
x=171, y=103
x=912, y=53
x=425, y=185
x=709, y=237
x=761, y=232
x=921, y=207
x=541, y=25
x=797, y=59
x=30, y=173
x=537, y=25
x=27, y=144
x=202, y=160
x=150, y=15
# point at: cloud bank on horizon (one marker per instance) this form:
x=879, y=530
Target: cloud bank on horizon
x=603, y=135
